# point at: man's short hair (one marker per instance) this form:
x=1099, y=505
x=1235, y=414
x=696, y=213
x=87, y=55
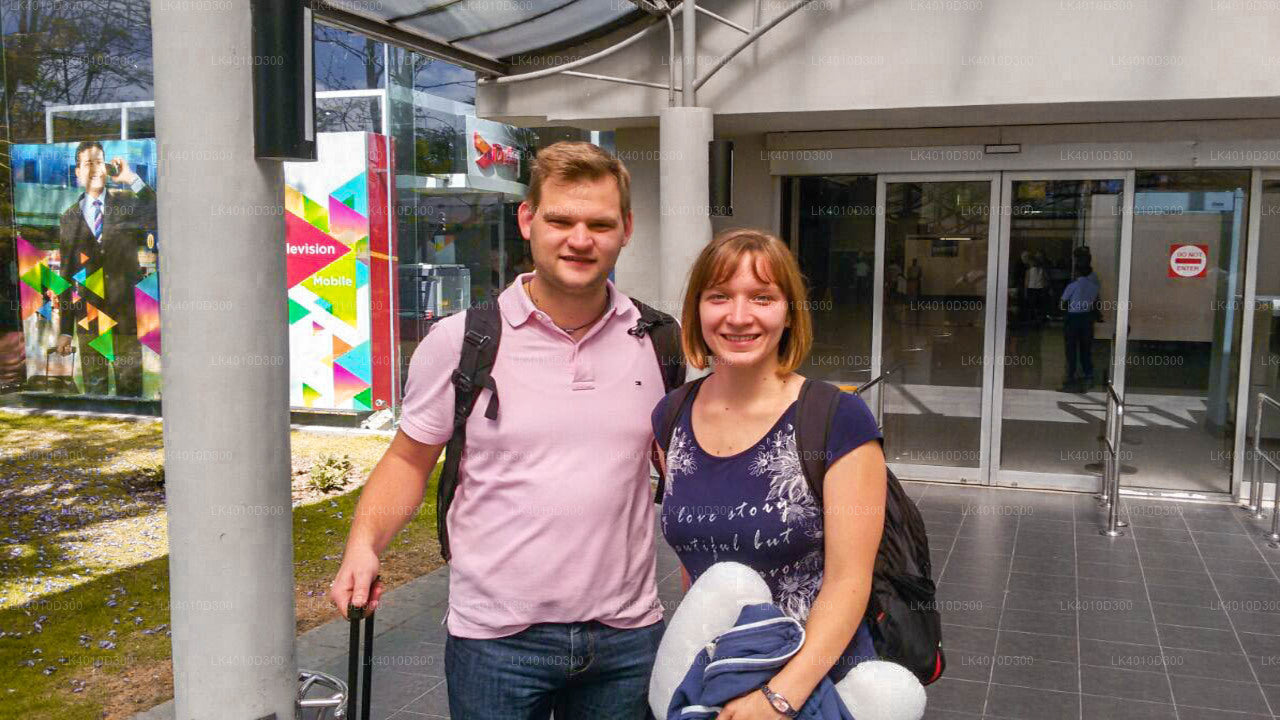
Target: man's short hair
x=567, y=162
x=88, y=145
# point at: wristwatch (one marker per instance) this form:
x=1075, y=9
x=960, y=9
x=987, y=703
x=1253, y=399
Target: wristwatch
x=779, y=703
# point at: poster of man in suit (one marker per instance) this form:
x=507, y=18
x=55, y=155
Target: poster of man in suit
x=100, y=236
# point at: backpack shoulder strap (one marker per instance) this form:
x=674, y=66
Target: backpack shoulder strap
x=482, y=332
x=664, y=334
x=815, y=409
x=676, y=403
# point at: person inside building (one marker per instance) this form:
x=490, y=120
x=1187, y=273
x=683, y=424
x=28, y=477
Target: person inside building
x=733, y=446
x=1079, y=301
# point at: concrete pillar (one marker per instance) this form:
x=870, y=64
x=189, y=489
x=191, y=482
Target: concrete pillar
x=682, y=194
x=225, y=373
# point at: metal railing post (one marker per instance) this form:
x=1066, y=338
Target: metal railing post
x=1112, y=439
x=1254, y=508
x=1256, y=486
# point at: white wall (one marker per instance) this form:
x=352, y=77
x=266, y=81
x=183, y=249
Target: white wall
x=874, y=58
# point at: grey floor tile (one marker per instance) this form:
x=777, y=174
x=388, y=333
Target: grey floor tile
x=1218, y=694
x=1255, y=622
x=958, y=695
x=1261, y=645
x=974, y=639
x=434, y=702
x=1095, y=707
x=1165, y=576
x=1123, y=683
x=1203, y=596
x=1039, y=647
x=1030, y=672
x=1107, y=571
x=1039, y=622
x=1040, y=601
x=1197, y=663
x=1170, y=614
x=968, y=665
x=1179, y=636
x=1267, y=669
x=1103, y=627
x=1004, y=701
x=1195, y=713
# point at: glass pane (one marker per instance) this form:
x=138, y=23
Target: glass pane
x=1263, y=320
x=836, y=225
x=348, y=114
x=935, y=289
x=1062, y=234
x=1184, y=327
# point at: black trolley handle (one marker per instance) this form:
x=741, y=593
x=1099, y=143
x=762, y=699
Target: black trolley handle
x=354, y=690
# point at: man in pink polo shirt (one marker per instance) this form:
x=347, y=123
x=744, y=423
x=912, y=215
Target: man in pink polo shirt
x=552, y=599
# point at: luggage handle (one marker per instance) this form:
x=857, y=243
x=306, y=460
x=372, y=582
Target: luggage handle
x=363, y=691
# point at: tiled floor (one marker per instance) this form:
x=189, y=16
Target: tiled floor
x=1044, y=618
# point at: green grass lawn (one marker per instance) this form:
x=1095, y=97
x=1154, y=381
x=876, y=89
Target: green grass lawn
x=98, y=646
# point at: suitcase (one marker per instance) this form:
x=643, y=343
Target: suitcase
x=359, y=659
x=57, y=384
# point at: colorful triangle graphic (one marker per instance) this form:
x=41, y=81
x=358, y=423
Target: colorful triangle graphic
x=297, y=311
x=336, y=284
x=150, y=286
x=354, y=193
x=356, y=360
x=309, y=395
x=315, y=214
x=345, y=385
x=105, y=345
x=52, y=280
x=363, y=400
x=308, y=249
x=94, y=283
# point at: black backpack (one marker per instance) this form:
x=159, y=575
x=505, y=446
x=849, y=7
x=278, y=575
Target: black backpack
x=480, y=351
x=906, y=627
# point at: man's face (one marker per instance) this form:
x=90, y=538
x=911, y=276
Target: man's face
x=91, y=170
x=576, y=233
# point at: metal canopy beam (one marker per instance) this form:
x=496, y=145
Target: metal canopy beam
x=330, y=15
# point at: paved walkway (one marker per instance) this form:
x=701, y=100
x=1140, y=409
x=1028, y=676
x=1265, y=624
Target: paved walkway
x=1044, y=619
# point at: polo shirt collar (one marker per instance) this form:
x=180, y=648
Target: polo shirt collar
x=517, y=308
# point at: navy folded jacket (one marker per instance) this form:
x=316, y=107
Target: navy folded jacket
x=744, y=658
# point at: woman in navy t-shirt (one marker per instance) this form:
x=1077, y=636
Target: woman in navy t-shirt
x=735, y=490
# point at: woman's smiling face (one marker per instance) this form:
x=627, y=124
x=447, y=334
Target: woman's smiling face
x=743, y=317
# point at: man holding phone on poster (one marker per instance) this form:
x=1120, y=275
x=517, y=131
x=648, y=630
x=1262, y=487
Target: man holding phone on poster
x=102, y=232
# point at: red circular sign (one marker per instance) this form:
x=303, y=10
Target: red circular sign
x=1188, y=261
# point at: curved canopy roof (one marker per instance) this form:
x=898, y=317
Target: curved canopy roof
x=481, y=34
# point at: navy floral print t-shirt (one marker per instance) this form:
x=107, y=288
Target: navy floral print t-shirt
x=755, y=507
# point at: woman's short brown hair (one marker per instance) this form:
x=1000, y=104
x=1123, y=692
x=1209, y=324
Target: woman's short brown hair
x=569, y=161
x=773, y=263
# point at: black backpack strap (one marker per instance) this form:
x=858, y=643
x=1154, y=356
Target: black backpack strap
x=815, y=410
x=677, y=401
x=664, y=333
x=483, y=330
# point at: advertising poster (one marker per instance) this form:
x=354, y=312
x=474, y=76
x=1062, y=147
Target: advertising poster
x=336, y=238
x=89, y=292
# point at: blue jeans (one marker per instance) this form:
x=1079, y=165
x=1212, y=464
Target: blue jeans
x=582, y=671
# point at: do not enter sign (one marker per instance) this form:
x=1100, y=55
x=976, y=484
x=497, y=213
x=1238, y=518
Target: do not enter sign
x=1188, y=261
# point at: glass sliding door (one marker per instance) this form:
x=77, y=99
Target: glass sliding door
x=1185, y=320
x=833, y=233
x=935, y=314
x=1056, y=228
x=1262, y=321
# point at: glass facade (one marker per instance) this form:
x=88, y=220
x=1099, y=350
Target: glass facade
x=401, y=222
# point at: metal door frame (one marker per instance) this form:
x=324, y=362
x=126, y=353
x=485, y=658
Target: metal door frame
x=1046, y=480
x=947, y=473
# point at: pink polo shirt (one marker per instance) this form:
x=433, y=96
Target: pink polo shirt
x=553, y=517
